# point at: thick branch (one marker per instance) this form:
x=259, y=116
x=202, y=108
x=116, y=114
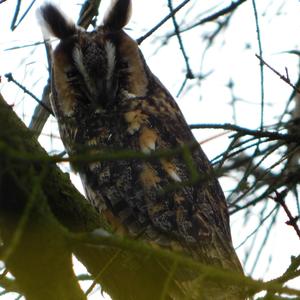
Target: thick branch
x=35, y=246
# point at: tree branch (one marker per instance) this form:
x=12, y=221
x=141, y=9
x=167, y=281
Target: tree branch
x=35, y=245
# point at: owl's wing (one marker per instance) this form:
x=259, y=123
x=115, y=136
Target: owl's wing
x=192, y=215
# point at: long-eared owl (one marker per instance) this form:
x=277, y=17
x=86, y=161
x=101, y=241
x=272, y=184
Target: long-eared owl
x=105, y=98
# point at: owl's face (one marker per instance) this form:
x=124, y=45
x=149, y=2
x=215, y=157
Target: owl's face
x=86, y=62
x=91, y=68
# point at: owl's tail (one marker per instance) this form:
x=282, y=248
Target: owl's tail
x=56, y=23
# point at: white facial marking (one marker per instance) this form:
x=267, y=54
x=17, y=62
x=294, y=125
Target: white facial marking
x=78, y=60
x=111, y=62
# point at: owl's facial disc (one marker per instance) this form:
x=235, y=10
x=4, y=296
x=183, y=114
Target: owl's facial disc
x=94, y=60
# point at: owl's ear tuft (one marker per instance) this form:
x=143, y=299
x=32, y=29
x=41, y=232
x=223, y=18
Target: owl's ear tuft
x=55, y=22
x=118, y=14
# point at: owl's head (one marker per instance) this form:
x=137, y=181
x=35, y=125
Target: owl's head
x=92, y=67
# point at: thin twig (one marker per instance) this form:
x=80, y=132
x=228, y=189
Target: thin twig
x=262, y=221
x=25, y=46
x=262, y=90
x=15, y=16
x=13, y=24
x=214, y=16
x=189, y=73
x=280, y=199
x=282, y=77
x=10, y=77
x=163, y=21
x=245, y=131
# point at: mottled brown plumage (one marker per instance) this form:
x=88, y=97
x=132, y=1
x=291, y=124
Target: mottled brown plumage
x=105, y=98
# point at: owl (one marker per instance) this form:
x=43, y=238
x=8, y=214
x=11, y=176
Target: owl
x=106, y=99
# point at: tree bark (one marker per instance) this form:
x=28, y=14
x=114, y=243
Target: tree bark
x=35, y=247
